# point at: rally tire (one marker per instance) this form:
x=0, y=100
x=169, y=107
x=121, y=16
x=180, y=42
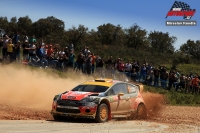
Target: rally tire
x=141, y=112
x=102, y=113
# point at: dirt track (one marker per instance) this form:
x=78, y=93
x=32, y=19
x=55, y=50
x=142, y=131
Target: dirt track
x=27, y=95
x=178, y=118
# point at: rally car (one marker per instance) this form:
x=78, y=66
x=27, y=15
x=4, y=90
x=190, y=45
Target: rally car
x=102, y=100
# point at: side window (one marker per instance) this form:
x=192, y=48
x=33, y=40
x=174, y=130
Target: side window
x=120, y=88
x=110, y=92
x=132, y=88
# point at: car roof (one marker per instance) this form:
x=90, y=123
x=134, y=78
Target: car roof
x=102, y=82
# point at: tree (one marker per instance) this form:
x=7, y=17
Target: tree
x=4, y=24
x=77, y=35
x=13, y=24
x=136, y=36
x=49, y=29
x=162, y=41
x=191, y=48
x=24, y=25
x=110, y=34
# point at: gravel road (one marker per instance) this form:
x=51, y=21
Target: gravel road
x=169, y=119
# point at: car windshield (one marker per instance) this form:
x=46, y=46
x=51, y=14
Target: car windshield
x=90, y=88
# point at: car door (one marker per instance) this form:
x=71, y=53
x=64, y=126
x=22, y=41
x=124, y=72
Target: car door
x=113, y=99
x=133, y=91
x=121, y=98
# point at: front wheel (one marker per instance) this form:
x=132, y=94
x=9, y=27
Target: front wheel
x=102, y=113
x=141, y=112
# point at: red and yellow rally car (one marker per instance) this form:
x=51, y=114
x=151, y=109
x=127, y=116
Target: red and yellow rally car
x=102, y=100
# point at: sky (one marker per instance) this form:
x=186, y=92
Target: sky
x=148, y=14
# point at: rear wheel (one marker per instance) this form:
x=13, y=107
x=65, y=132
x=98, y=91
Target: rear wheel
x=102, y=113
x=141, y=112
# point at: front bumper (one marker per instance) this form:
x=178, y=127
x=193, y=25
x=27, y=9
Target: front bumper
x=81, y=111
x=75, y=115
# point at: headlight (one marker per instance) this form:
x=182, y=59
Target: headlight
x=56, y=97
x=89, y=99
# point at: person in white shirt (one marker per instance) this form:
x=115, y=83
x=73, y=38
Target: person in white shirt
x=128, y=67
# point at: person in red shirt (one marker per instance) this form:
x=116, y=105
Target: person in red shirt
x=120, y=66
x=93, y=62
x=49, y=51
x=195, y=84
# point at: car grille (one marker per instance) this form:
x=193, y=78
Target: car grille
x=68, y=110
x=67, y=103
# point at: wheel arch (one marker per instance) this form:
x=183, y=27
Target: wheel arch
x=145, y=111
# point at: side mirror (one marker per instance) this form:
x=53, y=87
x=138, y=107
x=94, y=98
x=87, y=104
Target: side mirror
x=120, y=94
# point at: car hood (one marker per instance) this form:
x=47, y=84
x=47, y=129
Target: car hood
x=76, y=95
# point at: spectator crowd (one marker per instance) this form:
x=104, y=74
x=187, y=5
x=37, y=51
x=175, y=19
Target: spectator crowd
x=52, y=56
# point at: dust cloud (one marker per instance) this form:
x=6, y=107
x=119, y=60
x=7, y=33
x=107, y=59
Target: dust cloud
x=22, y=86
x=154, y=104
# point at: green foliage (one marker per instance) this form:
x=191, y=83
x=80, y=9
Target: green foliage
x=136, y=37
x=133, y=43
x=162, y=41
x=176, y=98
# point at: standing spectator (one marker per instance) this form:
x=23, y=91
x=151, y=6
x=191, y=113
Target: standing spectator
x=195, y=85
x=181, y=83
x=71, y=59
x=188, y=83
x=85, y=50
x=156, y=72
x=88, y=64
x=162, y=71
x=39, y=51
x=172, y=79
x=71, y=47
x=97, y=60
x=16, y=37
x=25, y=47
x=53, y=58
x=177, y=78
x=61, y=59
x=32, y=50
x=10, y=49
x=25, y=38
x=93, y=62
x=66, y=50
x=165, y=78
x=79, y=62
x=4, y=50
x=100, y=63
x=136, y=66
x=32, y=39
x=109, y=63
x=145, y=62
x=17, y=51
x=128, y=68
x=49, y=51
x=120, y=65
x=143, y=73
x=45, y=51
